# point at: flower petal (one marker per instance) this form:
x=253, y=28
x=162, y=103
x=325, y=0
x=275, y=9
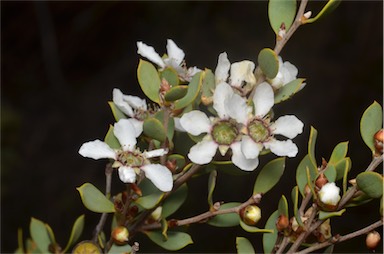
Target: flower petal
x=127, y=174
x=250, y=148
x=135, y=102
x=138, y=125
x=222, y=69
x=118, y=99
x=222, y=92
x=155, y=153
x=160, y=176
x=289, y=126
x=282, y=148
x=195, y=122
x=289, y=72
x=126, y=134
x=178, y=125
x=242, y=71
x=175, y=54
x=240, y=161
x=203, y=152
x=263, y=99
x=150, y=53
x=97, y=149
x=329, y=194
x=236, y=107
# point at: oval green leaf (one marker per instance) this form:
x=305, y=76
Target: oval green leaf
x=171, y=76
x=95, y=200
x=149, y=80
x=150, y=200
x=330, y=173
x=175, y=201
x=226, y=220
x=111, y=140
x=253, y=229
x=117, y=113
x=153, y=128
x=269, y=240
x=176, y=93
x=328, y=8
x=269, y=175
x=301, y=173
x=208, y=85
x=176, y=240
x=244, y=246
x=119, y=249
x=283, y=206
x=280, y=12
x=343, y=167
x=170, y=126
x=339, y=153
x=39, y=234
x=295, y=199
x=311, y=146
x=371, y=183
x=77, y=230
x=370, y=123
x=193, y=91
x=326, y=215
x=288, y=90
x=268, y=62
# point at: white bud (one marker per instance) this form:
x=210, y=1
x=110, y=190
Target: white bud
x=329, y=194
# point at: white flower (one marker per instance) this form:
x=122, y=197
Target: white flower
x=174, y=59
x=222, y=132
x=129, y=160
x=287, y=73
x=132, y=106
x=329, y=194
x=240, y=72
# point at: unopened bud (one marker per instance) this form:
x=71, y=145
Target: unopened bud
x=86, y=247
x=307, y=15
x=171, y=165
x=136, y=189
x=379, y=140
x=120, y=235
x=372, y=240
x=321, y=181
x=156, y=215
x=251, y=214
x=164, y=86
x=282, y=222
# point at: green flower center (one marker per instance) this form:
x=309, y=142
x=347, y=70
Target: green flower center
x=131, y=159
x=258, y=130
x=224, y=132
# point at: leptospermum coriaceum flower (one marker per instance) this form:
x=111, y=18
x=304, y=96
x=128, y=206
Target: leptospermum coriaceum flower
x=132, y=106
x=329, y=194
x=129, y=160
x=174, y=59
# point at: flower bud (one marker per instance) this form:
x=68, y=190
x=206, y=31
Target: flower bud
x=372, y=240
x=321, y=181
x=329, y=196
x=156, y=215
x=86, y=247
x=251, y=214
x=120, y=235
x=282, y=222
x=379, y=140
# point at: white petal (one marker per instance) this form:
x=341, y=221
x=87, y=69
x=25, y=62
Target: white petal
x=282, y=148
x=118, y=99
x=290, y=72
x=240, y=161
x=195, y=122
x=178, y=125
x=222, y=92
x=135, y=102
x=236, y=107
x=155, y=153
x=174, y=52
x=126, y=134
x=250, y=148
x=97, y=149
x=263, y=99
x=242, y=71
x=150, y=53
x=329, y=194
x=203, y=152
x=289, y=126
x=138, y=125
x=222, y=69
x=127, y=174
x=160, y=176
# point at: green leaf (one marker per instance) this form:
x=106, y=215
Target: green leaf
x=371, y=183
x=342, y=167
x=208, y=85
x=253, y=229
x=330, y=173
x=281, y=12
x=359, y=200
x=171, y=76
x=283, y=206
x=77, y=230
x=339, y=153
x=370, y=123
x=328, y=8
x=211, y=186
x=311, y=146
x=269, y=240
x=119, y=249
x=94, y=200
x=295, y=199
x=176, y=93
x=326, y=215
x=117, y=113
x=268, y=62
x=149, y=80
x=174, y=201
x=301, y=173
x=31, y=247
x=111, y=140
x=150, y=200
x=193, y=91
x=226, y=220
x=176, y=240
x=227, y=167
x=40, y=234
x=170, y=126
x=154, y=128
x=244, y=246
x=288, y=90
x=269, y=175
x=50, y=233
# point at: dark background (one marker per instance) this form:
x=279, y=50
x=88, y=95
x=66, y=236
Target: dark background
x=61, y=60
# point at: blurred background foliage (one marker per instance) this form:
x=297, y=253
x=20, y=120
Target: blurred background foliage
x=61, y=60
